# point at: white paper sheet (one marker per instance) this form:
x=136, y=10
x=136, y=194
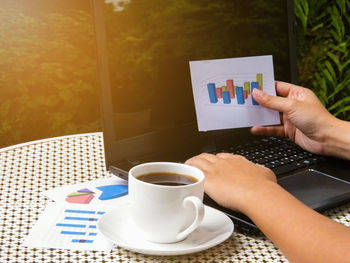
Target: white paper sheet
x=213, y=115
x=69, y=227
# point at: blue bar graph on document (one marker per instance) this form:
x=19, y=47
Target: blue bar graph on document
x=80, y=225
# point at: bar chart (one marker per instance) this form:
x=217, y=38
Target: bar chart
x=230, y=93
x=223, y=88
x=69, y=226
x=79, y=225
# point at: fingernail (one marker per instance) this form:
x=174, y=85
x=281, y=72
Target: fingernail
x=257, y=92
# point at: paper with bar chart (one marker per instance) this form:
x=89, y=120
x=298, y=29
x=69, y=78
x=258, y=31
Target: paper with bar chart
x=69, y=227
x=222, y=90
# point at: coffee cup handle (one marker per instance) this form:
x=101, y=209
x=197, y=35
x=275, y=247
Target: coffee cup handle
x=199, y=208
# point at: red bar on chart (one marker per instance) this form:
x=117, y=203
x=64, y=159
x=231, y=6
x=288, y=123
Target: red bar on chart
x=245, y=94
x=246, y=87
x=219, y=92
x=230, y=88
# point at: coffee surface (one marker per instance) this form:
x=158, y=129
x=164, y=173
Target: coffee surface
x=168, y=179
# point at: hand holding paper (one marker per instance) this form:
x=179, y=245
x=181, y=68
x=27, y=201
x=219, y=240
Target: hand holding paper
x=222, y=90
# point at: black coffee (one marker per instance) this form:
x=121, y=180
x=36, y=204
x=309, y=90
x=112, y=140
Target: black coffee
x=169, y=179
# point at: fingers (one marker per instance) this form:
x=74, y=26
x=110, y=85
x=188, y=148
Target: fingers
x=231, y=157
x=224, y=155
x=202, y=161
x=268, y=131
x=283, y=88
x=280, y=104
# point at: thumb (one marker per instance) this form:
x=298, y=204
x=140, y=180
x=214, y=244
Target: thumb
x=280, y=104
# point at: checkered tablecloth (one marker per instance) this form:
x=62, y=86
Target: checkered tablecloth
x=28, y=169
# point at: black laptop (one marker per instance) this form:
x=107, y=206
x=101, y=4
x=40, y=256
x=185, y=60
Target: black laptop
x=144, y=48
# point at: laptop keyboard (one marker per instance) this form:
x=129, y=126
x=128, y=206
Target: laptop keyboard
x=279, y=154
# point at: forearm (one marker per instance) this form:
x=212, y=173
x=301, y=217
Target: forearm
x=302, y=234
x=337, y=139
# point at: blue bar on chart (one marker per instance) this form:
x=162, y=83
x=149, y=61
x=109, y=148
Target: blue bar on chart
x=73, y=233
x=226, y=97
x=212, y=93
x=82, y=241
x=240, y=95
x=80, y=218
x=80, y=211
x=254, y=85
x=71, y=225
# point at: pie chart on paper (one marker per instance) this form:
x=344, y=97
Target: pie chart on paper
x=82, y=196
x=112, y=191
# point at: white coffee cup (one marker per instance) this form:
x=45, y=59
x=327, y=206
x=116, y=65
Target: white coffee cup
x=166, y=214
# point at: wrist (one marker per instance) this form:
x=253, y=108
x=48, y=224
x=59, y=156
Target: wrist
x=254, y=200
x=337, y=139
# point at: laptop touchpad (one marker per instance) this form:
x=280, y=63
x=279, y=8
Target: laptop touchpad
x=316, y=189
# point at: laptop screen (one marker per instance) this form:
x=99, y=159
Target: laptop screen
x=144, y=49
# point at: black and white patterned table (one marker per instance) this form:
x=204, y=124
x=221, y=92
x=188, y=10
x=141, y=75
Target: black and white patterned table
x=28, y=169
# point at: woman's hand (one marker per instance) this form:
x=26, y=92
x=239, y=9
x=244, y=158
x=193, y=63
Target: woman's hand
x=304, y=119
x=232, y=180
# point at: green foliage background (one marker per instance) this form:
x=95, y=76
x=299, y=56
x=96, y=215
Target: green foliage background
x=48, y=74
x=48, y=84
x=323, y=33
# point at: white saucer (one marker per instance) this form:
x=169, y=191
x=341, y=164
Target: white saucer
x=119, y=227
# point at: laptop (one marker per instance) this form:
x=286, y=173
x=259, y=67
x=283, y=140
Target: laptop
x=144, y=48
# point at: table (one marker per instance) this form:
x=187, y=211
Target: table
x=28, y=169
